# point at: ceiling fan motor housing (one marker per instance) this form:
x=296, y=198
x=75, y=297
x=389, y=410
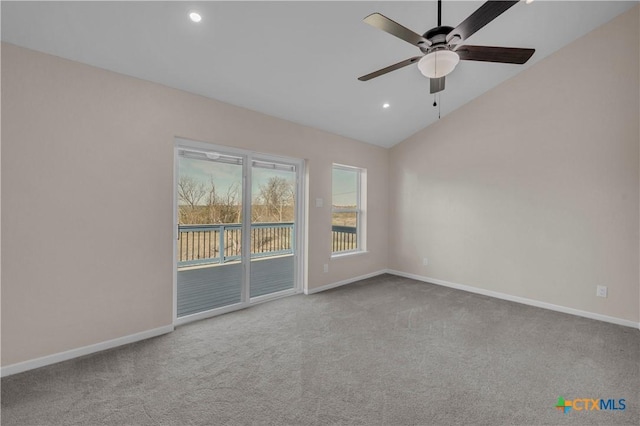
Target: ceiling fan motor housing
x=437, y=36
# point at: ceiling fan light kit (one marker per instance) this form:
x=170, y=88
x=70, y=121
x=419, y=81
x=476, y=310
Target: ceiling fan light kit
x=442, y=47
x=438, y=63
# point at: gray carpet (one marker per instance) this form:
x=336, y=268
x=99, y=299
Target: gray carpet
x=386, y=350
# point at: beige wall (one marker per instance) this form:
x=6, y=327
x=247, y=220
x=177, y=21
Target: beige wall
x=87, y=175
x=532, y=188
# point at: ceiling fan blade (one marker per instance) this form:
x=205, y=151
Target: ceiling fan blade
x=383, y=23
x=478, y=19
x=505, y=55
x=389, y=68
x=436, y=85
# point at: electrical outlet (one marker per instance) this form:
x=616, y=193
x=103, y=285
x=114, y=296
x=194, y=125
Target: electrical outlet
x=425, y=261
x=325, y=268
x=601, y=291
x=319, y=202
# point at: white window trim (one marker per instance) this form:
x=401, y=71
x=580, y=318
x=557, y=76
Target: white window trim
x=360, y=210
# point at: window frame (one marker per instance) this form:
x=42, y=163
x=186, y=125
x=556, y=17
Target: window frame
x=358, y=209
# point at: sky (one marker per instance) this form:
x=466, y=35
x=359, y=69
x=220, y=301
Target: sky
x=344, y=187
x=224, y=175
x=344, y=184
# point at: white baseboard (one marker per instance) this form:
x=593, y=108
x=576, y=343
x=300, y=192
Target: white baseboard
x=518, y=299
x=85, y=350
x=344, y=282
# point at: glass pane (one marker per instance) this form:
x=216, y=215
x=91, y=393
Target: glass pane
x=344, y=231
x=345, y=188
x=210, y=232
x=273, y=206
x=345, y=196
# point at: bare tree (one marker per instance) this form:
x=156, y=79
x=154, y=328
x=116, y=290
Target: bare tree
x=190, y=194
x=190, y=191
x=229, y=206
x=212, y=201
x=277, y=195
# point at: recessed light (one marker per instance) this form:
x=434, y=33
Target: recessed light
x=385, y=105
x=195, y=17
x=528, y=1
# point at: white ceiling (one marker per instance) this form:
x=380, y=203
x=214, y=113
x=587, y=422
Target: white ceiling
x=297, y=60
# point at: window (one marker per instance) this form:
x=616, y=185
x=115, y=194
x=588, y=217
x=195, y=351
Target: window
x=348, y=189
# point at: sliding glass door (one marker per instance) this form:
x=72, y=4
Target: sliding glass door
x=210, y=262
x=237, y=239
x=273, y=227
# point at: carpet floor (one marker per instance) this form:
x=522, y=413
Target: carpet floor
x=382, y=351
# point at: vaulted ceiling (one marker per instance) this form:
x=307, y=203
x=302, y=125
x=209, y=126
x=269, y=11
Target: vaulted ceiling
x=298, y=60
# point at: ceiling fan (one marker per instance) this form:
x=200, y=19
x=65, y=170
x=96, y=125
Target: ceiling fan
x=443, y=47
